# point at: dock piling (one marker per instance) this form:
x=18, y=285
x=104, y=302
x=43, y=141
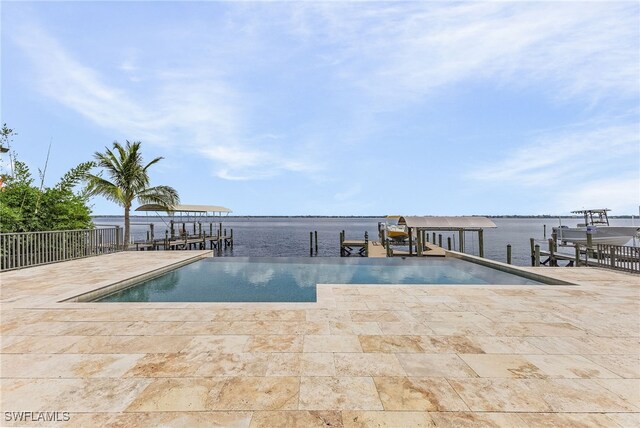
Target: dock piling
x=508, y=254
x=537, y=256
x=316, y=241
x=449, y=243
x=532, y=243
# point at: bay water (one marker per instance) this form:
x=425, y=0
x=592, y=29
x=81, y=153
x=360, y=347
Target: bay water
x=289, y=236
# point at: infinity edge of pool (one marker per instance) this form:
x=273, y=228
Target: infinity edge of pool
x=97, y=295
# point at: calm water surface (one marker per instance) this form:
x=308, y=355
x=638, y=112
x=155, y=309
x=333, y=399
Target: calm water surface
x=289, y=237
x=294, y=279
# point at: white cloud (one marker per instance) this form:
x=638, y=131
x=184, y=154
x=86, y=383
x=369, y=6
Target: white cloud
x=620, y=194
x=567, y=156
x=403, y=51
x=188, y=109
x=578, y=168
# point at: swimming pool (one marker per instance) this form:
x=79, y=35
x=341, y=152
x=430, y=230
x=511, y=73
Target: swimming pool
x=285, y=279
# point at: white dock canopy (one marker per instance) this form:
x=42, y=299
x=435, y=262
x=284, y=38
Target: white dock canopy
x=446, y=223
x=196, y=209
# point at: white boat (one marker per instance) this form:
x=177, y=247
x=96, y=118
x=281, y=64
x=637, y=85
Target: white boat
x=596, y=223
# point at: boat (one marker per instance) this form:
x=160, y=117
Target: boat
x=596, y=223
x=393, y=230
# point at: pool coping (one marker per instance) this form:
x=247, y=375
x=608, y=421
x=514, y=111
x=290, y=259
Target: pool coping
x=97, y=293
x=507, y=268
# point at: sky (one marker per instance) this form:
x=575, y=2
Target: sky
x=337, y=108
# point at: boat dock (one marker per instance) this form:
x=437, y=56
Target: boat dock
x=416, y=242
x=187, y=233
x=199, y=239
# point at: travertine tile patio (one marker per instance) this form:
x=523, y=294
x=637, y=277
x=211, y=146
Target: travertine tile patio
x=395, y=356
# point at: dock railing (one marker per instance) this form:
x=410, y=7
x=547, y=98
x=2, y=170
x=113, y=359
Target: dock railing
x=25, y=249
x=619, y=257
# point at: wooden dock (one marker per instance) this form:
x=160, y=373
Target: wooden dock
x=430, y=250
x=369, y=248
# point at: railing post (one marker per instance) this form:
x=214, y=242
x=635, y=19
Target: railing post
x=366, y=244
x=117, y=238
x=612, y=256
x=532, y=243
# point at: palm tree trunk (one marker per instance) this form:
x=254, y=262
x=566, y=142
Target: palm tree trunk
x=126, y=226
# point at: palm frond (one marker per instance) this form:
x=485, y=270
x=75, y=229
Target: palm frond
x=165, y=196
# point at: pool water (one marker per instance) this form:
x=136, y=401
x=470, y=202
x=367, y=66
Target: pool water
x=284, y=279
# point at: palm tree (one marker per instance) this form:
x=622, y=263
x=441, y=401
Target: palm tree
x=128, y=180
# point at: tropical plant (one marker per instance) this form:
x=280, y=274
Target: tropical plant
x=128, y=180
x=25, y=207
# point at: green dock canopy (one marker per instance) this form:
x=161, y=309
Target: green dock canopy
x=201, y=209
x=446, y=223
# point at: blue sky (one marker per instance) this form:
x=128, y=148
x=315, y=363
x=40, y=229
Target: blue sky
x=338, y=108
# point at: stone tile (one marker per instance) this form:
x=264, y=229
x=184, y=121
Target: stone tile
x=210, y=328
x=129, y=345
x=301, y=364
x=346, y=328
x=449, y=345
x=296, y=419
x=569, y=420
x=38, y=344
x=222, y=344
x=391, y=344
x=538, y=329
x=97, y=359
x=258, y=393
x=454, y=317
x=66, y=365
x=71, y=395
x=502, y=366
x=377, y=316
x=338, y=393
x=363, y=419
x=274, y=343
x=500, y=395
x=167, y=395
x=627, y=389
x=168, y=365
x=625, y=419
x=239, y=364
x=626, y=366
x=435, y=365
x=404, y=328
x=569, y=366
x=179, y=419
x=458, y=328
x=414, y=393
x=506, y=345
x=579, y=395
x=367, y=364
x=477, y=419
x=327, y=343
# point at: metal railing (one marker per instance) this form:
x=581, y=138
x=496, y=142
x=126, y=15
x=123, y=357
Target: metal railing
x=619, y=257
x=24, y=249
